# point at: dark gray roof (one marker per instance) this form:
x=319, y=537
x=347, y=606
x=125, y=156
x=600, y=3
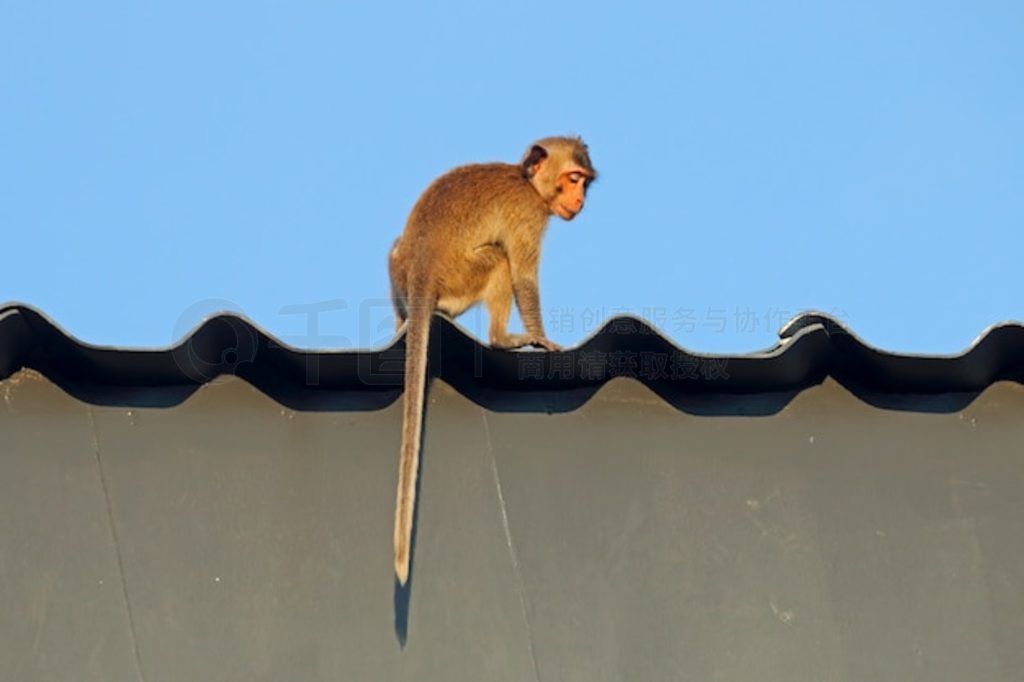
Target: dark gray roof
x=232, y=538
x=811, y=347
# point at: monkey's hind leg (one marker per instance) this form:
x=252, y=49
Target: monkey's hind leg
x=498, y=297
x=401, y=309
x=397, y=290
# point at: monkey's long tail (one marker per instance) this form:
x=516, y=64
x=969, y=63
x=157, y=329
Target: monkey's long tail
x=417, y=339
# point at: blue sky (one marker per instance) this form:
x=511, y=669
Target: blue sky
x=161, y=162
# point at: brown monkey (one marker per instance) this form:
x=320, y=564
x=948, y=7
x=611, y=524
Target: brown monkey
x=474, y=235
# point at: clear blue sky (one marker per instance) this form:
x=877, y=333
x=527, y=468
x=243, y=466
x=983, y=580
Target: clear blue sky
x=158, y=163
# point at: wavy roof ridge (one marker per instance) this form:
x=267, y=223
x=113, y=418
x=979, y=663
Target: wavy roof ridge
x=811, y=345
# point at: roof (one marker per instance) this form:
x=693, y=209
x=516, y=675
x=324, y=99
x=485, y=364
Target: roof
x=811, y=347
x=163, y=521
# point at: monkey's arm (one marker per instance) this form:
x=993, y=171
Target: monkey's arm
x=527, y=293
x=528, y=301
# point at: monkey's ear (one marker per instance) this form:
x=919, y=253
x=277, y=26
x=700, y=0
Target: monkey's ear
x=532, y=158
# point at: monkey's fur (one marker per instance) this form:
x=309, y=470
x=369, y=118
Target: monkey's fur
x=474, y=235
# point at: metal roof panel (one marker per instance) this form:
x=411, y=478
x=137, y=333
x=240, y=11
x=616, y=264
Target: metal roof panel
x=811, y=347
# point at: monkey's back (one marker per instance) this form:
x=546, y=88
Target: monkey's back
x=472, y=205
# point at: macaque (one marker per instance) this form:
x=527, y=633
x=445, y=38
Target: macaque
x=474, y=235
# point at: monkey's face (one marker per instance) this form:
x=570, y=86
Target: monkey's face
x=560, y=170
x=570, y=192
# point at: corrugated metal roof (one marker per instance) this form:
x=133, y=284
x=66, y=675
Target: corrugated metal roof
x=232, y=538
x=811, y=347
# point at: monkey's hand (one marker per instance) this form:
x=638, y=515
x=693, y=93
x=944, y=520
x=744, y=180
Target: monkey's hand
x=510, y=341
x=545, y=343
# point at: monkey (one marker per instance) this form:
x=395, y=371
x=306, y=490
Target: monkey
x=474, y=235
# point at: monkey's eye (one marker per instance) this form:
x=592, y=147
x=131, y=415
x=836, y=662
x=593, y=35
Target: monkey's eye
x=574, y=178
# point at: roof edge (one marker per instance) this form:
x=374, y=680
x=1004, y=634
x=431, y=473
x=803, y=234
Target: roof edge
x=812, y=345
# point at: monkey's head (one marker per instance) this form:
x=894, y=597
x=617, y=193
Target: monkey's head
x=559, y=169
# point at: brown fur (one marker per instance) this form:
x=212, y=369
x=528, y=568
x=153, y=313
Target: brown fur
x=474, y=235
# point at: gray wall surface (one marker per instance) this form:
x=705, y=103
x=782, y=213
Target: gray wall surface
x=231, y=538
